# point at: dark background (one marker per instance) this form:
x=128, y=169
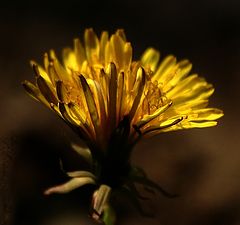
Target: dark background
x=202, y=165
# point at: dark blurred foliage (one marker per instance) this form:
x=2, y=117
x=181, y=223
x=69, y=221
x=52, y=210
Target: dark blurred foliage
x=200, y=165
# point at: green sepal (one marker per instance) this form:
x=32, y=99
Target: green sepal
x=109, y=215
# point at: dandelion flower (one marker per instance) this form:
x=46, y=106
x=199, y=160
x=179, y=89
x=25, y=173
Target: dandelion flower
x=112, y=100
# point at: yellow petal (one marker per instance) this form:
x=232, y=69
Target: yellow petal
x=52, y=74
x=171, y=122
x=46, y=61
x=59, y=69
x=46, y=91
x=112, y=96
x=120, y=33
x=103, y=43
x=120, y=96
x=79, y=52
x=183, y=86
x=181, y=71
x=200, y=124
x=64, y=109
x=34, y=92
x=127, y=56
x=39, y=71
x=91, y=46
x=184, y=68
x=59, y=89
x=147, y=118
x=99, y=100
x=117, y=46
x=205, y=114
x=78, y=114
x=131, y=77
x=91, y=106
x=165, y=68
x=185, y=124
x=150, y=58
x=69, y=60
x=200, y=93
x=140, y=83
x=56, y=110
x=192, y=105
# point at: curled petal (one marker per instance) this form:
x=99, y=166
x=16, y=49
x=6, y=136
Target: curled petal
x=100, y=199
x=72, y=184
x=81, y=173
x=83, y=152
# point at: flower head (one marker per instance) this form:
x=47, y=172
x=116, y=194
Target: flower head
x=111, y=100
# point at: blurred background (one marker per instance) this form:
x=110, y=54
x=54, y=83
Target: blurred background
x=201, y=165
